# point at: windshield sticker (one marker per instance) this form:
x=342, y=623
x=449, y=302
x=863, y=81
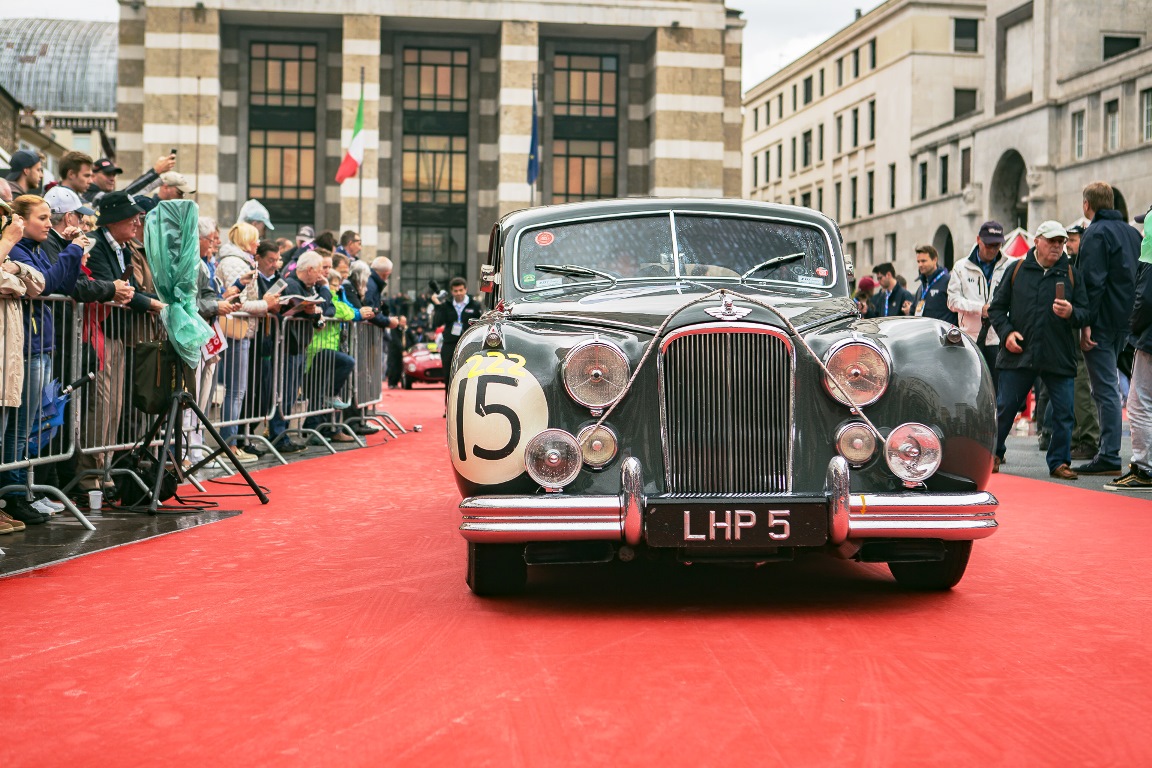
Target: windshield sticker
x=545, y=238
x=550, y=282
x=530, y=278
x=809, y=280
x=822, y=271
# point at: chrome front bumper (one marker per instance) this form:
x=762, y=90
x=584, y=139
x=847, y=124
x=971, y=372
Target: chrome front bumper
x=557, y=517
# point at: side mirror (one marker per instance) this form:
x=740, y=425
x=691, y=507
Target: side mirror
x=488, y=278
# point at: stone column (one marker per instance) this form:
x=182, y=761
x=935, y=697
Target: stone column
x=518, y=62
x=130, y=92
x=361, y=54
x=687, y=143
x=182, y=80
x=733, y=112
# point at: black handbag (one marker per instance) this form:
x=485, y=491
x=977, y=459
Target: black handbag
x=156, y=375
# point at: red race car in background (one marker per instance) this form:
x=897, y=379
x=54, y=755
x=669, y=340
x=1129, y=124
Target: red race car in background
x=422, y=363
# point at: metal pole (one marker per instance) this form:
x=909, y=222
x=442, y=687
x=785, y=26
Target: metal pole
x=360, y=177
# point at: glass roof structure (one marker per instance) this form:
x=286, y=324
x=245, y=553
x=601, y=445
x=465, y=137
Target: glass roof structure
x=56, y=65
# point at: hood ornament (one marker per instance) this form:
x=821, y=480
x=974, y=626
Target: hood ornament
x=727, y=310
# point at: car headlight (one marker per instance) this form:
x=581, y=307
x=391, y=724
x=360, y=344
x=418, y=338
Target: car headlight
x=856, y=442
x=912, y=452
x=861, y=369
x=597, y=444
x=552, y=459
x=595, y=373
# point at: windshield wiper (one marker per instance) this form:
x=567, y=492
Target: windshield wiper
x=774, y=261
x=574, y=270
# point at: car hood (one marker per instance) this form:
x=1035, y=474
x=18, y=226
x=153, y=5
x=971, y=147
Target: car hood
x=647, y=306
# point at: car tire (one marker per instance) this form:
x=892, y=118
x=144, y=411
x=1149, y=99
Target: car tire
x=496, y=569
x=405, y=381
x=935, y=575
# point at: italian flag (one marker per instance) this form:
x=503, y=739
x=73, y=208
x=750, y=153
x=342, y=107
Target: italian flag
x=355, y=156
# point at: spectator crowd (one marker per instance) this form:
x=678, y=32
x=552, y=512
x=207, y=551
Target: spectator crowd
x=1070, y=321
x=81, y=238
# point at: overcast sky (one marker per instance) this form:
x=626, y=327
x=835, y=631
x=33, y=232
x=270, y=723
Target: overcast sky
x=778, y=31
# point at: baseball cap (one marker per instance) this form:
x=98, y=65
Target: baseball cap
x=22, y=160
x=60, y=199
x=306, y=233
x=106, y=166
x=1077, y=227
x=174, y=179
x=1140, y=217
x=992, y=232
x=866, y=283
x=253, y=211
x=1051, y=229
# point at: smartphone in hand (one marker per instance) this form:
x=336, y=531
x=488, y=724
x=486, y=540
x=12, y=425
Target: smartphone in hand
x=1060, y=291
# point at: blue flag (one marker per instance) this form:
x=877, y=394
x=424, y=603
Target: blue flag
x=534, y=149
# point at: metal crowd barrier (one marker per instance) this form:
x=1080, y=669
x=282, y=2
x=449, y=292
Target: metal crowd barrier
x=368, y=380
x=310, y=393
x=247, y=375
x=42, y=429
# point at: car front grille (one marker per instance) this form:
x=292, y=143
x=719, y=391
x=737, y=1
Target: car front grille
x=727, y=411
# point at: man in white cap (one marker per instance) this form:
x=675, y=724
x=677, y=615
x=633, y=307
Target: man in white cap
x=174, y=186
x=66, y=208
x=1038, y=309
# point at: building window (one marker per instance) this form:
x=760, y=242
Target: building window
x=821, y=81
x=963, y=101
x=870, y=189
x=820, y=199
x=890, y=246
x=767, y=114
x=839, y=71
x=780, y=105
x=584, y=126
x=965, y=35
x=793, y=97
x=779, y=161
x=434, y=165
x=856, y=127
x=808, y=90
x=866, y=254
x=1078, y=135
x=282, y=119
x=806, y=149
x=944, y=174
x=755, y=118
x=839, y=133
x=852, y=197
x=965, y=167
x=923, y=181
x=872, y=120
x=755, y=171
x=1112, y=124
x=767, y=166
x=836, y=194
x=1146, y=115
x=855, y=63
x=872, y=53
x=1115, y=45
x=820, y=142
x=793, y=154
x=892, y=185
x=806, y=199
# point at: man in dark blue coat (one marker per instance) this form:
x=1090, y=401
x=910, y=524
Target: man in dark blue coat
x=931, y=297
x=1036, y=310
x=1109, y=251
x=891, y=298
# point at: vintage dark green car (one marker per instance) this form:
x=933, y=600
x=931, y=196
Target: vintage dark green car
x=692, y=377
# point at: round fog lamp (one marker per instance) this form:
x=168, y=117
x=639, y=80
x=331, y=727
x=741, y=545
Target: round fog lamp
x=597, y=444
x=595, y=373
x=552, y=458
x=856, y=443
x=912, y=452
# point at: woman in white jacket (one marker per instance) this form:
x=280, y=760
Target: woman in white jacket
x=237, y=266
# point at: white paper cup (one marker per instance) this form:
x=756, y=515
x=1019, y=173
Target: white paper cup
x=95, y=500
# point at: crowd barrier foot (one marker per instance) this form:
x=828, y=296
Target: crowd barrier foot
x=55, y=493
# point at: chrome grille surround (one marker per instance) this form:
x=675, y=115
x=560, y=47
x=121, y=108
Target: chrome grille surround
x=727, y=400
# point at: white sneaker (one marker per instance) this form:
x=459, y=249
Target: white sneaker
x=53, y=504
x=42, y=506
x=244, y=457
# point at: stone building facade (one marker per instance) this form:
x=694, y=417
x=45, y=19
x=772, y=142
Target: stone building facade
x=937, y=115
x=260, y=99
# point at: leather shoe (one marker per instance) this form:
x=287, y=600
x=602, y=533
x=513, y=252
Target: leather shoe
x=996, y=462
x=1084, y=452
x=286, y=445
x=1064, y=472
x=1098, y=468
x=341, y=437
x=20, y=509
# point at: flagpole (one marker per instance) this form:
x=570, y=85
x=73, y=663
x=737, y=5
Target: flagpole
x=360, y=178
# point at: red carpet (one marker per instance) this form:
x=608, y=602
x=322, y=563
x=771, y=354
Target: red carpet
x=333, y=627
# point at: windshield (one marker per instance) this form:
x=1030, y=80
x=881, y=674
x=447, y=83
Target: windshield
x=642, y=247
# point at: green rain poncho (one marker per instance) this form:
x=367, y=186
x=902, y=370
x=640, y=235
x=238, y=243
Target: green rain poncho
x=172, y=245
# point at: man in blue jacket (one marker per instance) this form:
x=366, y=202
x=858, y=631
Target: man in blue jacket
x=1109, y=251
x=931, y=297
x=1036, y=310
x=891, y=298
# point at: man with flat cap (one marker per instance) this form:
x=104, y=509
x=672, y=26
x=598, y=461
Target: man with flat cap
x=113, y=257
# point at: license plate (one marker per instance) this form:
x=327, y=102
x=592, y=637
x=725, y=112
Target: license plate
x=728, y=524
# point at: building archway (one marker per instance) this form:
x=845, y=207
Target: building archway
x=942, y=242
x=1008, y=202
